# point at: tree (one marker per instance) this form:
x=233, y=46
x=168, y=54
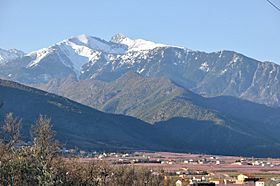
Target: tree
x=45, y=149
x=9, y=137
x=10, y=133
x=44, y=143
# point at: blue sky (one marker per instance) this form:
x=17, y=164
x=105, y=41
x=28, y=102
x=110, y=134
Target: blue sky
x=251, y=27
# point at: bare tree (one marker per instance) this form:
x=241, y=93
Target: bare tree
x=44, y=150
x=9, y=137
x=44, y=142
x=10, y=133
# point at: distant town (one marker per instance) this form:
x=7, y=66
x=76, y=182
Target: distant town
x=195, y=169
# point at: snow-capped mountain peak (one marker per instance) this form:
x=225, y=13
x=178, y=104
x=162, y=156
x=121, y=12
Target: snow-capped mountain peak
x=135, y=45
x=84, y=39
x=79, y=50
x=11, y=54
x=95, y=44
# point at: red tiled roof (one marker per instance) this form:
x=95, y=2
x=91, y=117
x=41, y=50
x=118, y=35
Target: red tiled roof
x=262, y=180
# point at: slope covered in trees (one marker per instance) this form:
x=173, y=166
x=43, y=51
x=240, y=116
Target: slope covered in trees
x=86, y=128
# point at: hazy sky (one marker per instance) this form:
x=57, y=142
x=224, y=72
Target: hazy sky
x=251, y=27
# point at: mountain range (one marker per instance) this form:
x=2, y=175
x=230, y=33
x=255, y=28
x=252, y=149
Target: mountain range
x=130, y=94
x=223, y=73
x=159, y=99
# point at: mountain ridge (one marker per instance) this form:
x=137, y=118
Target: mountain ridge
x=208, y=74
x=133, y=94
x=89, y=129
x=158, y=101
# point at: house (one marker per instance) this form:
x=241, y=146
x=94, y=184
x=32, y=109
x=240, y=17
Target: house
x=182, y=182
x=183, y=169
x=198, y=178
x=237, y=163
x=179, y=183
x=218, y=181
x=272, y=183
x=241, y=178
x=260, y=182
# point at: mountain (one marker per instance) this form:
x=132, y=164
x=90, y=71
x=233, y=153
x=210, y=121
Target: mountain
x=155, y=100
x=223, y=73
x=67, y=58
x=149, y=99
x=76, y=125
x=8, y=55
x=81, y=126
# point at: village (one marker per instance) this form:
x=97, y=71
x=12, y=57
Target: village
x=197, y=169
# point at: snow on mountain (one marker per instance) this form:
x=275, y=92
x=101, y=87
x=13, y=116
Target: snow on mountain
x=135, y=45
x=38, y=56
x=204, y=67
x=87, y=57
x=77, y=51
x=97, y=44
x=7, y=55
